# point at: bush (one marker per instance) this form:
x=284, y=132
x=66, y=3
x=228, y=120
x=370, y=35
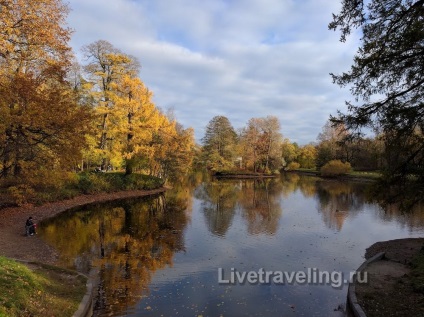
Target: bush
x=293, y=166
x=335, y=168
x=64, y=185
x=139, y=181
x=90, y=183
x=21, y=194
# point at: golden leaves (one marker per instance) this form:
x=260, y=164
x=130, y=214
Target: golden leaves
x=135, y=129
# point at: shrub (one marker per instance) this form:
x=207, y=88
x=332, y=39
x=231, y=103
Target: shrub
x=21, y=194
x=90, y=183
x=139, y=181
x=293, y=166
x=335, y=168
x=43, y=187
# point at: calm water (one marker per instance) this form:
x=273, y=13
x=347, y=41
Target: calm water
x=160, y=256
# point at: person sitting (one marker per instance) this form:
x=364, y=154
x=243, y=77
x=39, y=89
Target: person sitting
x=30, y=227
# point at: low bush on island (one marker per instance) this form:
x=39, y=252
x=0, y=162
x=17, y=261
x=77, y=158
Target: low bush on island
x=335, y=168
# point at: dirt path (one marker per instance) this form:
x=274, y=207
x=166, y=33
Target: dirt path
x=388, y=291
x=14, y=243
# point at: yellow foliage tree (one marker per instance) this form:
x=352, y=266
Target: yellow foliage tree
x=131, y=131
x=42, y=126
x=135, y=119
x=105, y=68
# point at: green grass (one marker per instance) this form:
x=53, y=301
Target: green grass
x=243, y=173
x=417, y=274
x=301, y=170
x=40, y=291
x=372, y=175
x=354, y=174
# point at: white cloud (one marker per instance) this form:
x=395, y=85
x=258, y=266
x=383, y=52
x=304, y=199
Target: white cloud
x=241, y=59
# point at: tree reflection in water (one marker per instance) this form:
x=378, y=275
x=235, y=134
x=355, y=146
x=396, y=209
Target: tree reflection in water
x=127, y=241
x=261, y=205
x=130, y=240
x=219, y=198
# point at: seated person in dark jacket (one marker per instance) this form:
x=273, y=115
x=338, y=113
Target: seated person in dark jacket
x=29, y=227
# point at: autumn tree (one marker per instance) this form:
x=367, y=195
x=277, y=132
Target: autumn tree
x=333, y=144
x=174, y=150
x=133, y=119
x=272, y=139
x=307, y=156
x=105, y=67
x=261, y=143
x=42, y=125
x=289, y=152
x=251, y=146
x=130, y=131
x=219, y=144
x=386, y=79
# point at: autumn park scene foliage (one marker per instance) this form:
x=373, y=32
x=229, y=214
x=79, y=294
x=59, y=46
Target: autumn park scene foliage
x=76, y=124
x=62, y=119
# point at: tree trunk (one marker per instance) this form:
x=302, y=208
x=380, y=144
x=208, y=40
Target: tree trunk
x=129, y=162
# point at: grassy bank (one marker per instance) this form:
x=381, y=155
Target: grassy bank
x=18, y=192
x=417, y=273
x=241, y=174
x=354, y=174
x=38, y=290
x=367, y=175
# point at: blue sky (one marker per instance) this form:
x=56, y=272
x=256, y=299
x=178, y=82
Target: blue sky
x=237, y=58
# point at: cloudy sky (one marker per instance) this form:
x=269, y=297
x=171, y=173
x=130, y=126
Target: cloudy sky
x=237, y=58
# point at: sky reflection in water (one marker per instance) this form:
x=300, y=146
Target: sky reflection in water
x=160, y=255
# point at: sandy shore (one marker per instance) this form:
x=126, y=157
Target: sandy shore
x=14, y=243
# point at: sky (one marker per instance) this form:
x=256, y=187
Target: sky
x=236, y=58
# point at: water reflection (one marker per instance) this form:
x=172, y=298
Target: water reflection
x=159, y=255
x=219, y=200
x=261, y=206
x=338, y=201
x=127, y=241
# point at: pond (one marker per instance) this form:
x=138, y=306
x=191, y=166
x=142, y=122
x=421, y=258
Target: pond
x=189, y=252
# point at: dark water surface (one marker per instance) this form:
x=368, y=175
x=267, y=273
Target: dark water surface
x=160, y=256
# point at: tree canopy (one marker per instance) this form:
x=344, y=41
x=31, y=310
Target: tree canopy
x=219, y=143
x=41, y=123
x=58, y=117
x=387, y=81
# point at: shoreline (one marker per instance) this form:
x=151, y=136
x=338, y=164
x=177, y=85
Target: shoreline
x=13, y=242
x=347, y=177
x=243, y=176
x=388, y=292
